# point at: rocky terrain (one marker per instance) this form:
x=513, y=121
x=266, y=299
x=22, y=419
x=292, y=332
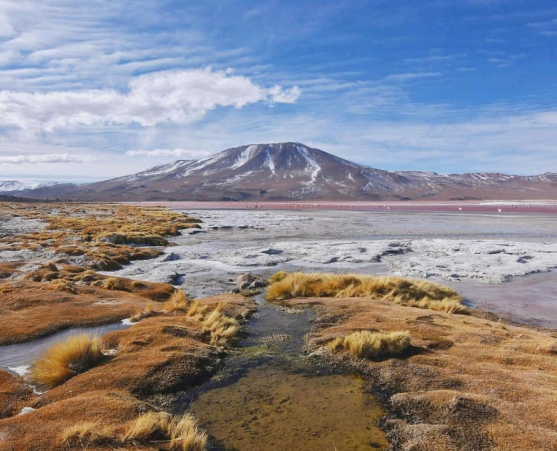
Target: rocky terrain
x=294, y=171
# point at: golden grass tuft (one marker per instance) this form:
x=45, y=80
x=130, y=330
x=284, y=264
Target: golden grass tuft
x=182, y=431
x=86, y=433
x=112, y=283
x=197, y=311
x=145, y=312
x=148, y=425
x=372, y=345
x=178, y=302
x=62, y=285
x=408, y=292
x=185, y=434
x=66, y=359
x=221, y=326
x=278, y=276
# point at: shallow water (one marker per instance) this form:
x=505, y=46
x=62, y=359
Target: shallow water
x=270, y=408
x=271, y=395
x=531, y=298
x=17, y=357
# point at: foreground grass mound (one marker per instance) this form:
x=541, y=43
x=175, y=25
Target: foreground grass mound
x=64, y=360
x=372, y=345
x=408, y=292
x=180, y=432
x=465, y=383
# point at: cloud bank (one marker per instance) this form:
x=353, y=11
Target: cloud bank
x=175, y=96
x=169, y=153
x=45, y=159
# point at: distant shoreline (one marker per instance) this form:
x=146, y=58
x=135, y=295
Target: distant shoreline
x=491, y=206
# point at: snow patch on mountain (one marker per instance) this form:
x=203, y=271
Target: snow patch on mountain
x=7, y=186
x=313, y=167
x=245, y=156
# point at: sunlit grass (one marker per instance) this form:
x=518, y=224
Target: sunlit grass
x=178, y=302
x=180, y=432
x=64, y=360
x=372, y=345
x=221, y=326
x=414, y=293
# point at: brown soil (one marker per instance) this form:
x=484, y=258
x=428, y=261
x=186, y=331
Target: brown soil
x=158, y=356
x=466, y=383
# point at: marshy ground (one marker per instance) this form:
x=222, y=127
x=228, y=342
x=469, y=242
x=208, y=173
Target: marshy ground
x=329, y=361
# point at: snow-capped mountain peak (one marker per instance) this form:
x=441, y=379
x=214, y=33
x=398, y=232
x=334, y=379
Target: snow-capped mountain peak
x=294, y=171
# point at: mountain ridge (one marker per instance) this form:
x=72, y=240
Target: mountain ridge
x=294, y=171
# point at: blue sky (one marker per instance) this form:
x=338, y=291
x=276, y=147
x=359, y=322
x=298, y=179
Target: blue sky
x=91, y=90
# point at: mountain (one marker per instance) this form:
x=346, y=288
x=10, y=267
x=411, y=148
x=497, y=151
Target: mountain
x=7, y=186
x=294, y=171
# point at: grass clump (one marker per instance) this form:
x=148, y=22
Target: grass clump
x=414, y=293
x=278, y=276
x=185, y=434
x=62, y=285
x=221, y=326
x=372, y=345
x=64, y=360
x=84, y=434
x=180, y=432
x=197, y=311
x=112, y=283
x=178, y=302
x=147, y=426
x=145, y=312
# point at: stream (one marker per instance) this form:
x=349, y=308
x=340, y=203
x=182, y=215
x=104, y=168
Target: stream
x=271, y=395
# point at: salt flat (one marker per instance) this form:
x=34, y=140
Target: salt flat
x=469, y=251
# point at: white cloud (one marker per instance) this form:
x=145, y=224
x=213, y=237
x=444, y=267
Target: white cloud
x=6, y=29
x=169, y=96
x=412, y=76
x=278, y=95
x=45, y=158
x=193, y=154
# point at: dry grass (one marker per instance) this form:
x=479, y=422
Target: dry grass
x=221, y=326
x=106, y=236
x=147, y=426
x=178, y=302
x=62, y=285
x=185, y=434
x=278, y=276
x=372, y=345
x=112, y=283
x=182, y=431
x=66, y=359
x=147, y=311
x=197, y=311
x=86, y=434
x=408, y=292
